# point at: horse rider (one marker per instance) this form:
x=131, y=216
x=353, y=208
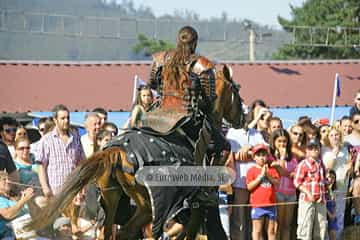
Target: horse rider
x=187, y=96
x=201, y=72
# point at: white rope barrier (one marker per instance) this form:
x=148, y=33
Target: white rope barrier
x=220, y=205
x=38, y=187
x=25, y=185
x=278, y=204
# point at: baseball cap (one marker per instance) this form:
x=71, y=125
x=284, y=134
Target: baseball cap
x=313, y=143
x=259, y=147
x=324, y=121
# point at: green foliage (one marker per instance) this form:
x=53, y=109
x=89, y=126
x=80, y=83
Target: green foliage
x=335, y=22
x=151, y=46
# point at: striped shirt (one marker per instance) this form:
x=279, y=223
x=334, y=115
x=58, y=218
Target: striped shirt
x=58, y=157
x=311, y=175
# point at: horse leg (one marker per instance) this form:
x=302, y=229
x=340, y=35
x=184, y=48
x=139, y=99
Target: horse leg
x=143, y=213
x=111, y=200
x=111, y=192
x=191, y=230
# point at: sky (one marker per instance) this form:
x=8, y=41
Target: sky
x=264, y=12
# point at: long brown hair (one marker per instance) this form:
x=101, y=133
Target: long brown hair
x=138, y=100
x=275, y=135
x=186, y=45
x=175, y=68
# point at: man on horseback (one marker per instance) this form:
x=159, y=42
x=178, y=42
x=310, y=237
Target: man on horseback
x=188, y=97
x=182, y=96
x=176, y=133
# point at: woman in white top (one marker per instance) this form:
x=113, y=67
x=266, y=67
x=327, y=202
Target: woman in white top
x=336, y=156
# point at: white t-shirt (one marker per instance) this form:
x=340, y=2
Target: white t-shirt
x=239, y=138
x=87, y=145
x=352, y=139
x=339, y=163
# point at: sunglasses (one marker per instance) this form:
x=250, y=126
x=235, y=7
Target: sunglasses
x=23, y=148
x=297, y=134
x=10, y=130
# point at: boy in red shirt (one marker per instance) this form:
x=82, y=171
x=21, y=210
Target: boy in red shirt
x=261, y=181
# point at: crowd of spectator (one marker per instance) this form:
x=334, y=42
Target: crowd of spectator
x=290, y=183
x=31, y=173
x=294, y=183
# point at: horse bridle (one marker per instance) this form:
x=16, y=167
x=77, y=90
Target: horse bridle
x=235, y=88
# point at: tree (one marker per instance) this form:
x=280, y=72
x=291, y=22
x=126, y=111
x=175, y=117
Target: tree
x=325, y=19
x=149, y=46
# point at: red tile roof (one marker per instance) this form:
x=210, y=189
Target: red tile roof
x=38, y=86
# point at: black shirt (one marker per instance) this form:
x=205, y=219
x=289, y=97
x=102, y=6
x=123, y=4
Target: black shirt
x=6, y=161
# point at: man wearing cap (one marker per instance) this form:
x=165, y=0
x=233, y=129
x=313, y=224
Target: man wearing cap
x=310, y=180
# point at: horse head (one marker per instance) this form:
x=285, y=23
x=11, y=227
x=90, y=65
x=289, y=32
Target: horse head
x=228, y=103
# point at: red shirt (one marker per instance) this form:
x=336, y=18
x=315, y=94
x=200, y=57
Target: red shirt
x=264, y=193
x=311, y=175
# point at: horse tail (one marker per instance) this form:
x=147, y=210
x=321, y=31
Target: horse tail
x=86, y=171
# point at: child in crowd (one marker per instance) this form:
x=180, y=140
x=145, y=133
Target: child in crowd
x=285, y=163
x=331, y=204
x=310, y=180
x=102, y=138
x=261, y=181
x=143, y=102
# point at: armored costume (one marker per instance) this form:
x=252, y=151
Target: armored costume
x=201, y=85
x=181, y=96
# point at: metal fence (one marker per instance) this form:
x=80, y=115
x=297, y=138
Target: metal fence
x=42, y=35
x=326, y=36
x=113, y=27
